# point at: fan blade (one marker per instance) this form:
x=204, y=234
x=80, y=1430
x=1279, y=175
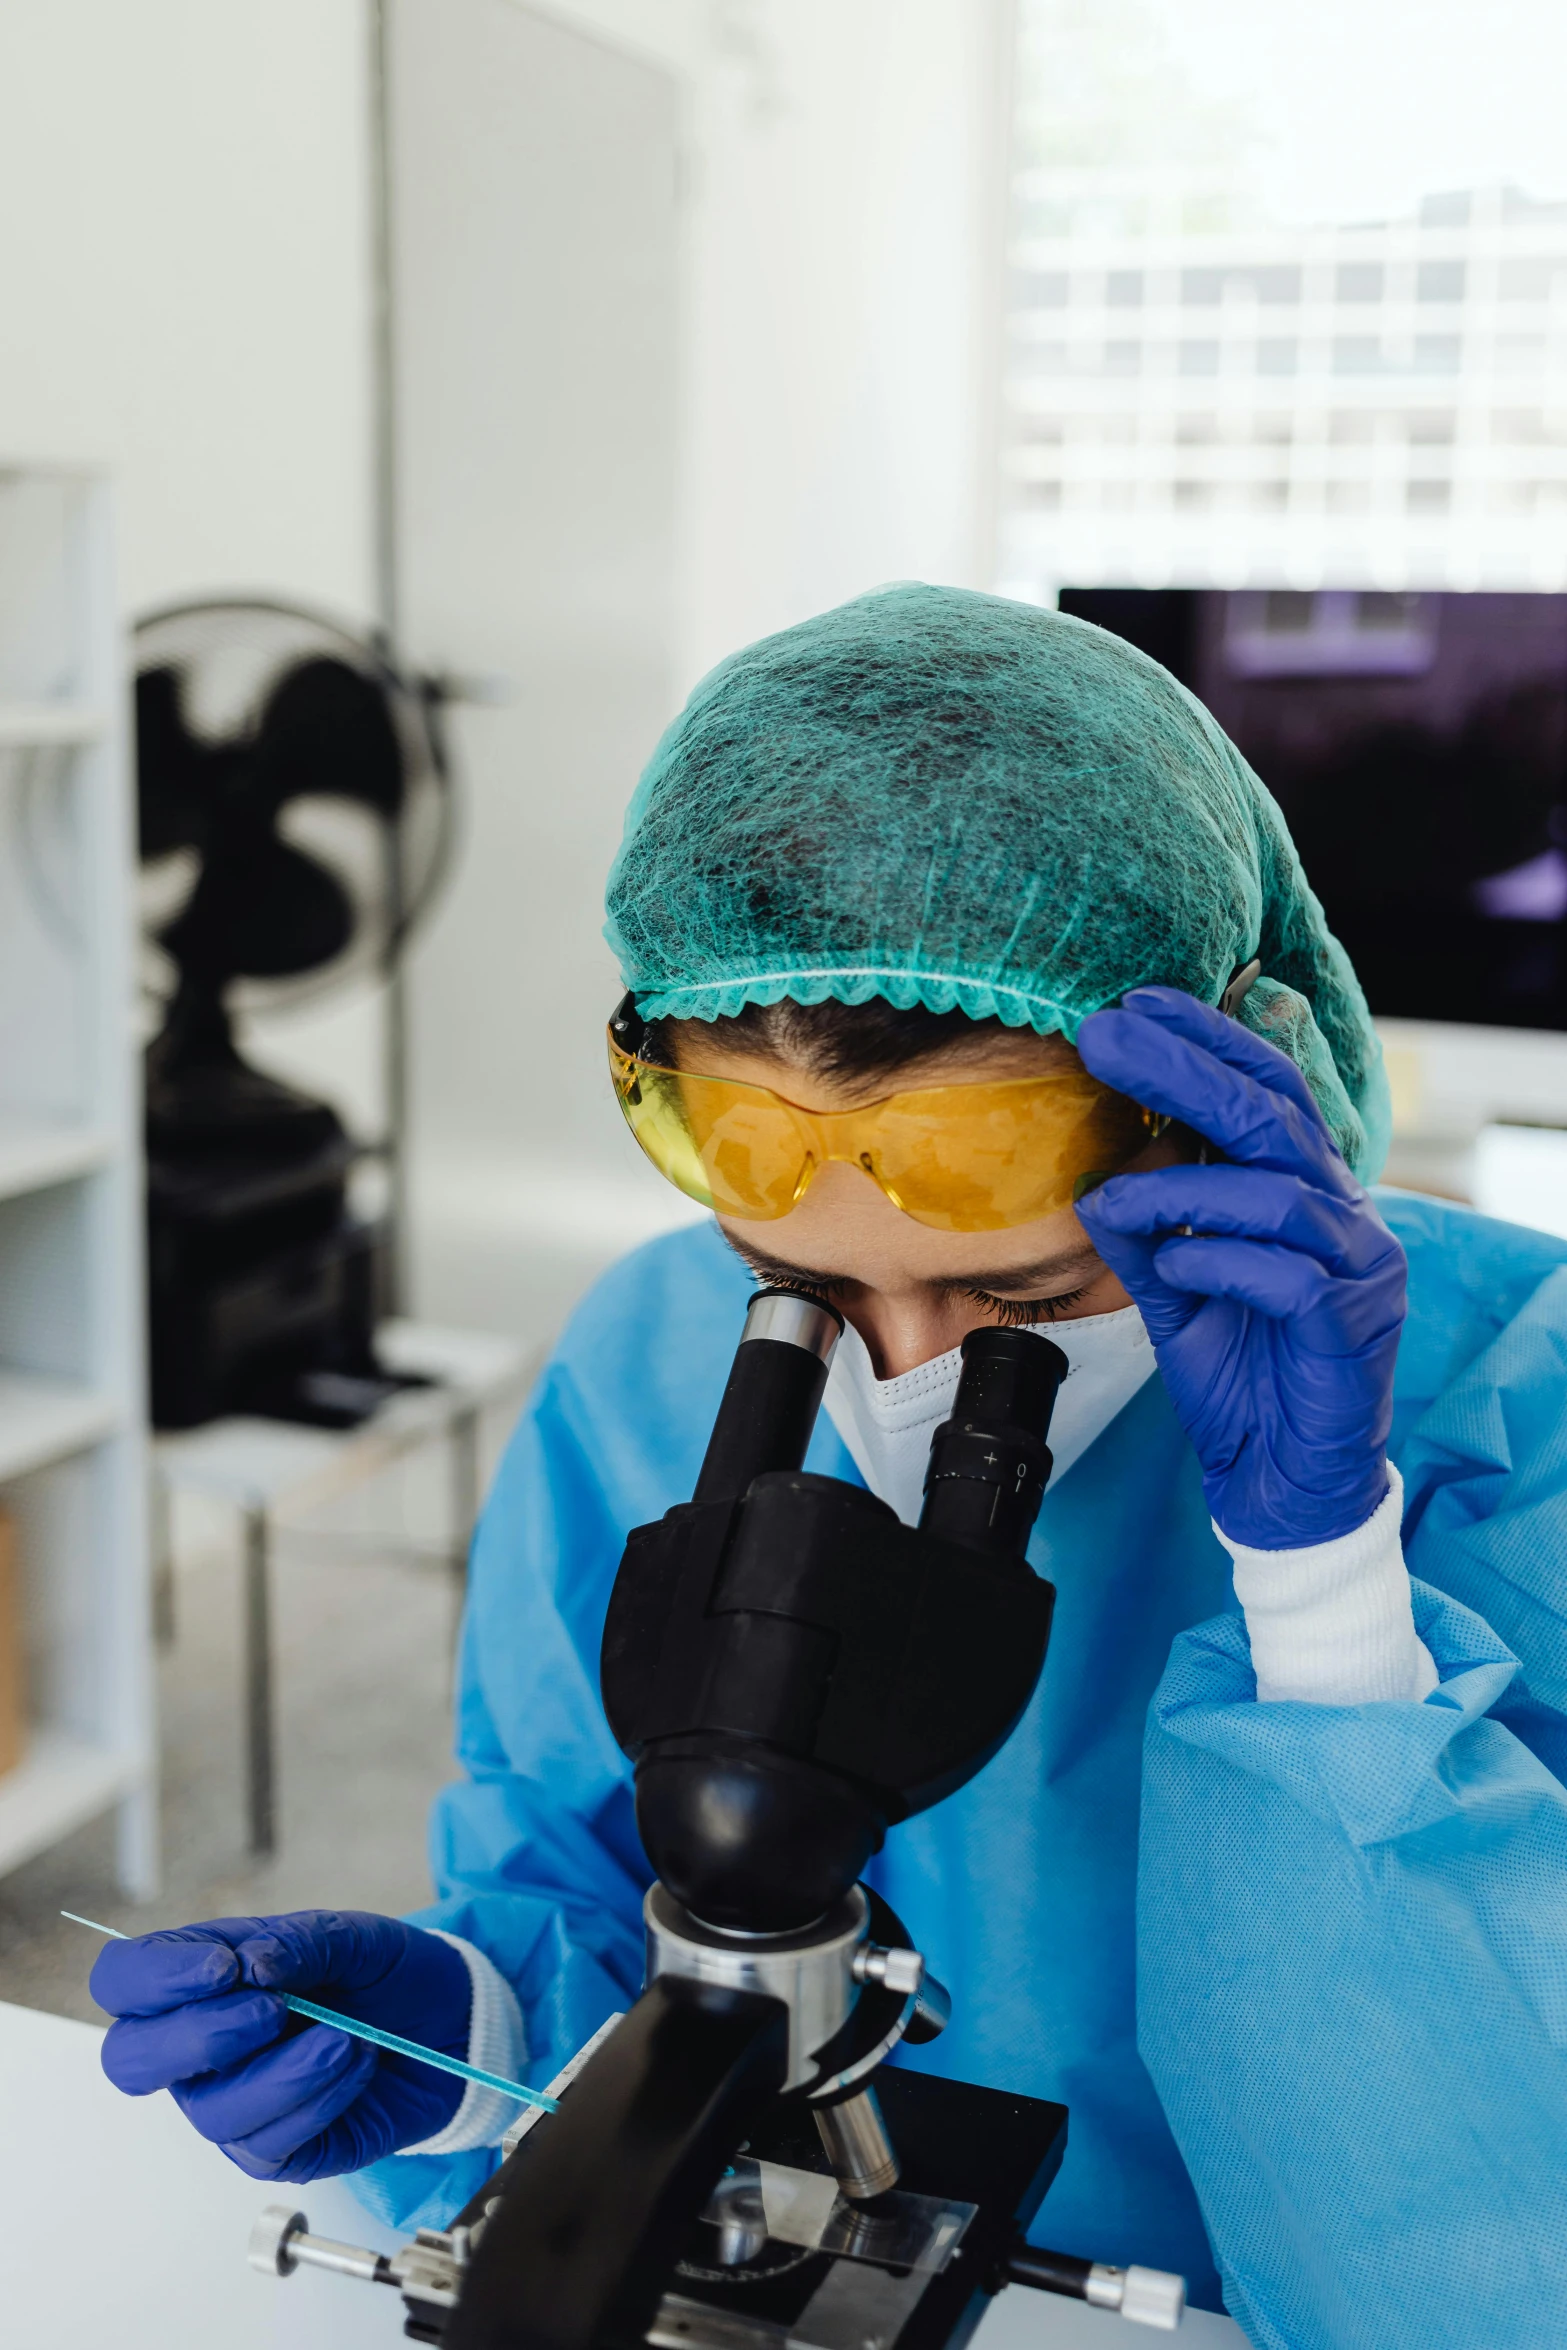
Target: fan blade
x=326, y=732
x=261, y=910
x=177, y=776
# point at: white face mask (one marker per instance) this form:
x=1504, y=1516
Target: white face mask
x=887, y=1424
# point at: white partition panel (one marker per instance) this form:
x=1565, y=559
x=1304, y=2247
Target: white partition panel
x=536, y=237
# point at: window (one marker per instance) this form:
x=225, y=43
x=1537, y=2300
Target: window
x=1358, y=281
x=1124, y=289
x=1042, y=359
x=1123, y=358
x=1428, y=497
x=1356, y=354
x=1439, y=281
x=1273, y=432
x=1349, y=497
x=1448, y=211
x=1430, y=428
x=1042, y=289
x=1526, y=280
x=1190, y=431
x=1347, y=426
x=1119, y=431
x=1276, y=355
x=1523, y=425
x=1270, y=496
x=1199, y=358
x=1190, y=496
x=1520, y=354
x=1437, y=354
x=1043, y=495
x=1266, y=281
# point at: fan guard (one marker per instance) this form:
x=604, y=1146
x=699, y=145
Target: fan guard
x=218, y=668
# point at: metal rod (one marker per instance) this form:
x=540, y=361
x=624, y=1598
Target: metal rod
x=464, y=1438
x=163, y=1625
x=384, y=500
x=383, y=322
x=258, y=1683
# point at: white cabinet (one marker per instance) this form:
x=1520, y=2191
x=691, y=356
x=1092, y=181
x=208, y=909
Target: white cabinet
x=72, y=1434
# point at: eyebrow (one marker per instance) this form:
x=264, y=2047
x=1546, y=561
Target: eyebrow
x=1016, y=1281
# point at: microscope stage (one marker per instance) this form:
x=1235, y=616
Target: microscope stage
x=906, y=2272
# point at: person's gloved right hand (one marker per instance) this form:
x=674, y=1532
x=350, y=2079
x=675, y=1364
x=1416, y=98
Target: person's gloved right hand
x=199, y=2014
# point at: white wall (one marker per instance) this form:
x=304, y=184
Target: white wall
x=183, y=285
x=185, y=296
x=846, y=254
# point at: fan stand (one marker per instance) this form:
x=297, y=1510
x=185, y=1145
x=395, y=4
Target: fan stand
x=265, y=1286
x=203, y=1097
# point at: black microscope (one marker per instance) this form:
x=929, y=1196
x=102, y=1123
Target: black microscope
x=731, y=2165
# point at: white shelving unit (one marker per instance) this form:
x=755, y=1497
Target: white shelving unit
x=72, y=1434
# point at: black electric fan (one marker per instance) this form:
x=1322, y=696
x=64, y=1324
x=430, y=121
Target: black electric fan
x=295, y=818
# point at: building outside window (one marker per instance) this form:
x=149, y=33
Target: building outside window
x=1198, y=394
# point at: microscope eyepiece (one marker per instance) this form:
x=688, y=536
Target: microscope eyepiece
x=773, y=1394
x=990, y=1464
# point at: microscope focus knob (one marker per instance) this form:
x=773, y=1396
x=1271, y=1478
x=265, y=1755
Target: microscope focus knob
x=271, y=2240
x=905, y=1974
x=1153, y=2297
x=1143, y=2296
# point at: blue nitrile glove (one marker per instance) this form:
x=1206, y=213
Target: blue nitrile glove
x=285, y=2098
x=1277, y=1323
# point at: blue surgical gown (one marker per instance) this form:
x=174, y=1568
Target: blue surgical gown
x=1300, y=1972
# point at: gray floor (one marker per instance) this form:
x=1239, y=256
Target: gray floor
x=364, y=1682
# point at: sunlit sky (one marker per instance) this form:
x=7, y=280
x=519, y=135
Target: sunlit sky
x=1363, y=106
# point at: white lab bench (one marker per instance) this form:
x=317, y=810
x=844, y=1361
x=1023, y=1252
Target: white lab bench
x=128, y=2232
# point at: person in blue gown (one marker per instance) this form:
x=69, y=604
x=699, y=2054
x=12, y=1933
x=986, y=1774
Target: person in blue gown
x=1270, y=1883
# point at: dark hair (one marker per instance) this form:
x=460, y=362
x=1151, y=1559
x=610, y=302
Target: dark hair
x=837, y=1041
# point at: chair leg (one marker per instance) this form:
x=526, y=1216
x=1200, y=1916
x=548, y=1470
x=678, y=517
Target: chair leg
x=464, y=1441
x=258, y=1682
x=163, y=1623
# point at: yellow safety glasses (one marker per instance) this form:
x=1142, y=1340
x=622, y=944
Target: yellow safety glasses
x=959, y=1158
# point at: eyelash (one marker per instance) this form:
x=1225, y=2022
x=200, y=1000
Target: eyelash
x=1013, y=1313
x=1020, y=1313
x=817, y=1289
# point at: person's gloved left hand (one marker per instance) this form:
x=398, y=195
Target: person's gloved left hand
x=1272, y=1290
x=199, y=2015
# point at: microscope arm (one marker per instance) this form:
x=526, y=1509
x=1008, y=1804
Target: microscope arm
x=576, y=2251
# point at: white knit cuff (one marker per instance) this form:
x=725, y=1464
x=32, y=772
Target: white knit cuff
x=1331, y=1624
x=496, y=2045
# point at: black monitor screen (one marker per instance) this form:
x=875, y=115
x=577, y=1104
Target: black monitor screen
x=1418, y=747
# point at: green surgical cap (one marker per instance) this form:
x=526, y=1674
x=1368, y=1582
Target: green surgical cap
x=959, y=801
